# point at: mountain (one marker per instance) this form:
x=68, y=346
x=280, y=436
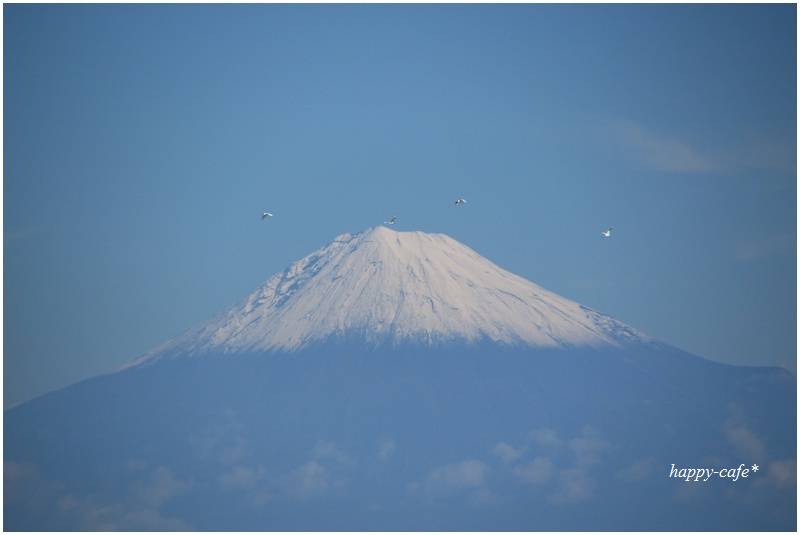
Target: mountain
x=400, y=381
x=385, y=288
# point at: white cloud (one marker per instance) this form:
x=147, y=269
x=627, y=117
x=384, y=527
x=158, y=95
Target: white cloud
x=455, y=477
x=329, y=450
x=566, y=485
x=538, y=471
x=657, y=151
x=744, y=441
x=572, y=485
x=545, y=437
x=588, y=447
x=640, y=470
x=508, y=453
x=779, y=475
x=25, y=484
x=241, y=477
x=772, y=490
x=307, y=481
x=252, y=481
x=221, y=440
x=783, y=474
x=142, y=520
x=139, y=511
x=160, y=487
x=654, y=150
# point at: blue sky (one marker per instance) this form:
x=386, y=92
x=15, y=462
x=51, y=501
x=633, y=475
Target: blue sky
x=143, y=142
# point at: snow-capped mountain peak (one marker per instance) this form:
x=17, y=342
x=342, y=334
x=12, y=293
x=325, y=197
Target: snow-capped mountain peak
x=382, y=287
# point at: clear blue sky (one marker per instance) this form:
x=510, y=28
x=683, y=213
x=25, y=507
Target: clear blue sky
x=143, y=142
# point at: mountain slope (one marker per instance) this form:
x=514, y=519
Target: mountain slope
x=401, y=382
x=382, y=287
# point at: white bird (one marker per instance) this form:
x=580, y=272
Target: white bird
x=460, y=201
x=266, y=215
x=390, y=222
x=607, y=233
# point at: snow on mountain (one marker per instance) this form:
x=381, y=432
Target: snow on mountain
x=382, y=287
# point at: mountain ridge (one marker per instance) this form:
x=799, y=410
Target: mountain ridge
x=382, y=287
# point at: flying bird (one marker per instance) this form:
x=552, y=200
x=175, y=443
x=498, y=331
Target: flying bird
x=266, y=215
x=460, y=201
x=607, y=233
x=390, y=222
